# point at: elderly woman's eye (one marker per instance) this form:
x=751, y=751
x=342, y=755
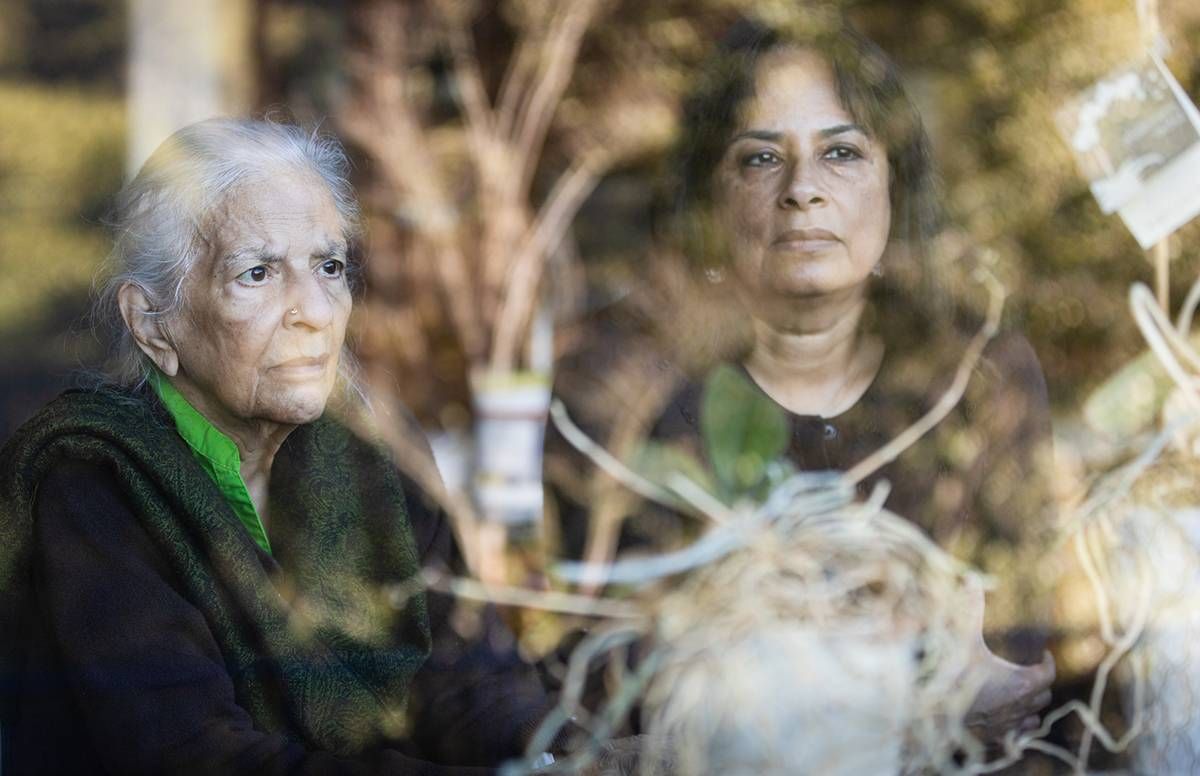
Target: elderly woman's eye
x=254, y=275
x=761, y=159
x=333, y=268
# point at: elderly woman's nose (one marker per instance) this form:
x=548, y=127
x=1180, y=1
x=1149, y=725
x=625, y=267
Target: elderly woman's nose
x=311, y=303
x=801, y=188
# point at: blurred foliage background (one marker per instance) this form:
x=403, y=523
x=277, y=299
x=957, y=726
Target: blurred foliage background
x=61, y=159
x=988, y=75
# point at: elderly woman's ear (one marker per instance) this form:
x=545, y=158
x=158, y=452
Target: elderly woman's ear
x=146, y=326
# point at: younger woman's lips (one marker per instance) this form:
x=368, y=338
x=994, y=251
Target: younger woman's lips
x=806, y=240
x=807, y=245
x=807, y=235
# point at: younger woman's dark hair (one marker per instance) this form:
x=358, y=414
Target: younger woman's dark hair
x=869, y=86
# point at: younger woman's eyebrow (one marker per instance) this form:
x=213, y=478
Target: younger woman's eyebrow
x=839, y=129
x=777, y=137
x=758, y=134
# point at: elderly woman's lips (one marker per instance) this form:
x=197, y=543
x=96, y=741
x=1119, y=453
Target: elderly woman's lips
x=302, y=366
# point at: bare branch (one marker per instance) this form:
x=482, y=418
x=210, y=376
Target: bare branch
x=524, y=276
x=949, y=399
x=471, y=94
x=604, y=459
x=514, y=87
x=506, y=218
x=558, y=62
x=548, y=600
x=456, y=285
x=383, y=122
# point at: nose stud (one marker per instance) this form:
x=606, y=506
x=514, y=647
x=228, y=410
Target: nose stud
x=294, y=311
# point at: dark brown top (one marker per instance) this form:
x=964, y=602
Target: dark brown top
x=978, y=483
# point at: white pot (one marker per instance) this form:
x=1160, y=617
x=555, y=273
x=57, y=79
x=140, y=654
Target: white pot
x=784, y=699
x=510, y=423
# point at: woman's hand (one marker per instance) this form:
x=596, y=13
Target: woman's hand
x=1011, y=695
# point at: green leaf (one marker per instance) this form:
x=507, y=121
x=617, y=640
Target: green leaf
x=743, y=429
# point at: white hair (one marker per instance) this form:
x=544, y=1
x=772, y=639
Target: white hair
x=161, y=215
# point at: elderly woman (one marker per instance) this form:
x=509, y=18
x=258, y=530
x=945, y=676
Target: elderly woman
x=805, y=200
x=201, y=570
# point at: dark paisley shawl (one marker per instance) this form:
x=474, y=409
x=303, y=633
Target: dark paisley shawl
x=323, y=653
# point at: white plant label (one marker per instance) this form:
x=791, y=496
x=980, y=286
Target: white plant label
x=1136, y=137
x=510, y=421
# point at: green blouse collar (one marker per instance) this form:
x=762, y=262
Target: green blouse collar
x=216, y=453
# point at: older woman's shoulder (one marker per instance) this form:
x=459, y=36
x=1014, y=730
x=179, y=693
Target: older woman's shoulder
x=106, y=415
x=91, y=406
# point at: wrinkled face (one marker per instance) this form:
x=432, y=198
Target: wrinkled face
x=265, y=311
x=802, y=188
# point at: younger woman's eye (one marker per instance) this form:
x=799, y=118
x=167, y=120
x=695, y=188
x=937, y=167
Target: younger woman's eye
x=254, y=275
x=333, y=268
x=843, y=153
x=761, y=159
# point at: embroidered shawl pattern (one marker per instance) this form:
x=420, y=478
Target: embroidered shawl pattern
x=323, y=653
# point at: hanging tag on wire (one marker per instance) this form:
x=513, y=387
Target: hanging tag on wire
x=1136, y=136
x=1152, y=35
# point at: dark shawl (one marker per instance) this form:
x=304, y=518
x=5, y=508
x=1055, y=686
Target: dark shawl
x=324, y=659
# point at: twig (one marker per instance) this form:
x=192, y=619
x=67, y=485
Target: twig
x=715, y=544
x=703, y=501
x=613, y=714
x=1103, y=607
x=525, y=271
x=610, y=504
x=477, y=112
x=470, y=93
x=1183, y=324
x=1162, y=273
x=1129, y=474
x=511, y=273
x=558, y=62
x=415, y=460
x=949, y=399
x=1128, y=639
x=548, y=600
x=604, y=459
x=1165, y=341
x=383, y=123
x=513, y=86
